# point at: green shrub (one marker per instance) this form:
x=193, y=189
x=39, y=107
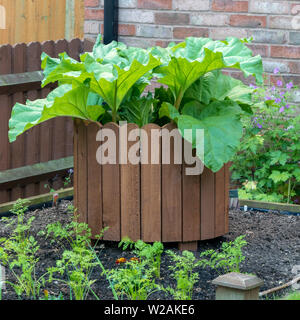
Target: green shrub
x=267, y=161
x=228, y=259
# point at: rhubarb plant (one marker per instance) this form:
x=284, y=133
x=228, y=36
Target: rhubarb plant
x=111, y=83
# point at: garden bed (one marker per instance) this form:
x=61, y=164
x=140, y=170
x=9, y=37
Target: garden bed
x=281, y=207
x=272, y=251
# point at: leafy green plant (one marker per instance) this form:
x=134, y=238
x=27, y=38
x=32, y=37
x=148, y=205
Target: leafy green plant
x=267, y=161
x=133, y=280
x=78, y=260
x=18, y=252
x=183, y=273
x=151, y=254
x=228, y=259
x=68, y=178
x=254, y=193
x=67, y=181
x=292, y=296
x=109, y=83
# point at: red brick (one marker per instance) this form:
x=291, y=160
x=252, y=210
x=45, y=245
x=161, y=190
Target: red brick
x=94, y=14
x=295, y=79
x=294, y=67
x=285, y=79
x=262, y=50
x=162, y=43
x=248, y=21
x=285, y=52
x=127, y=30
x=230, y=6
x=274, y=79
x=172, y=18
x=91, y=3
x=239, y=75
x=181, y=32
x=295, y=9
x=155, y=4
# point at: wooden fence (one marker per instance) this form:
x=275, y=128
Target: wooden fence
x=41, y=20
x=20, y=79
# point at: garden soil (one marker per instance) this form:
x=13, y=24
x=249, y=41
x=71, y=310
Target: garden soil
x=272, y=251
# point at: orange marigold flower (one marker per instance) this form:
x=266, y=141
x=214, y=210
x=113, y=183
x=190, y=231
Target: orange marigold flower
x=120, y=260
x=46, y=293
x=135, y=259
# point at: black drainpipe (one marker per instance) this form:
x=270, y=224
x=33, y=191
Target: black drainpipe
x=111, y=17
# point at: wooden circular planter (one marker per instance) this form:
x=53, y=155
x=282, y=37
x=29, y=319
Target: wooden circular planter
x=152, y=202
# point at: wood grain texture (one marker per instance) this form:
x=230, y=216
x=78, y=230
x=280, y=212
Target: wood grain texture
x=220, y=202
x=94, y=178
x=150, y=187
x=226, y=196
x=17, y=149
x=82, y=172
x=32, y=137
x=41, y=20
x=152, y=202
x=46, y=138
x=207, y=205
x=171, y=193
x=111, y=189
x=130, y=193
x=76, y=123
x=5, y=103
x=191, y=208
x=50, y=140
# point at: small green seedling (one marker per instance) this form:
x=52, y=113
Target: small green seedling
x=228, y=259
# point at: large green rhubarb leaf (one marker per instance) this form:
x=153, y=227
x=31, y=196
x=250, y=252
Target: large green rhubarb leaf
x=113, y=89
x=64, y=69
x=222, y=134
x=221, y=124
x=139, y=110
x=198, y=56
x=217, y=86
x=63, y=101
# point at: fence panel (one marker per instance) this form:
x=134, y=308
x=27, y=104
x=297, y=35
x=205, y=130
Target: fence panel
x=41, y=20
x=52, y=140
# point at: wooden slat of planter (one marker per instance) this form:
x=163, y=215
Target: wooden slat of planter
x=207, y=205
x=82, y=182
x=220, y=202
x=94, y=182
x=171, y=194
x=191, y=215
x=151, y=188
x=111, y=193
x=75, y=177
x=226, y=196
x=130, y=194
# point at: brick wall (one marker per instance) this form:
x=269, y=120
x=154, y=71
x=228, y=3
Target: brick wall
x=274, y=25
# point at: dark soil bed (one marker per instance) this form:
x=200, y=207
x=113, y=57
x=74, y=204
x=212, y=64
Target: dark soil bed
x=272, y=251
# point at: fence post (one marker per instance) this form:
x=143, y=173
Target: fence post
x=237, y=286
